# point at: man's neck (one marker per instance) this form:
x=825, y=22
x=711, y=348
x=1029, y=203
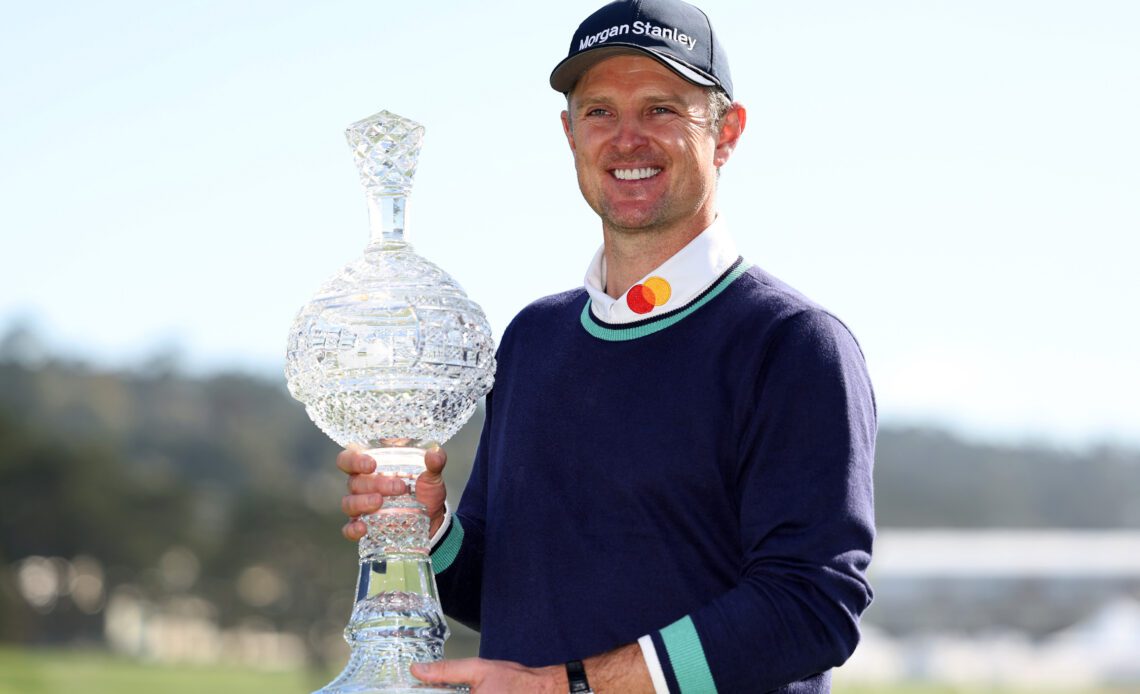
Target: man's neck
x=631, y=255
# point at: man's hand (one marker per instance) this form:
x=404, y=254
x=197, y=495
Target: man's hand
x=620, y=671
x=494, y=676
x=366, y=490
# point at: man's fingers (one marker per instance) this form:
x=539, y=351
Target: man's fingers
x=354, y=530
x=355, y=505
x=376, y=484
x=352, y=461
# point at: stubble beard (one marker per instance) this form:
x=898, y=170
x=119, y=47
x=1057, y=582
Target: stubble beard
x=660, y=218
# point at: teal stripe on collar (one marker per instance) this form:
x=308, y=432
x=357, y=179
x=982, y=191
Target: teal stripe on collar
x=642, y=329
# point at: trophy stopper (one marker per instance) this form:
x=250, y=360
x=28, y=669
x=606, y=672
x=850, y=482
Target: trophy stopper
x=385, y=148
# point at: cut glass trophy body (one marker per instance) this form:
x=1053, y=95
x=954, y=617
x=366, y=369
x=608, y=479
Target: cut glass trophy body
x=392, y=356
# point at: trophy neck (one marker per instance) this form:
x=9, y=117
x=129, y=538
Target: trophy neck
x=386, y=218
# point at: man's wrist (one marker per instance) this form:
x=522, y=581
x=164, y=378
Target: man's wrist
x=556, y=680
x=438, y=526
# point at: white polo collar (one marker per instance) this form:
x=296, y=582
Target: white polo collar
x=671, y=285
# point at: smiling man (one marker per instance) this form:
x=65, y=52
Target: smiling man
x=672, y=491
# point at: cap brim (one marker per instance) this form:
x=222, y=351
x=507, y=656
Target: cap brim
x=567, y=72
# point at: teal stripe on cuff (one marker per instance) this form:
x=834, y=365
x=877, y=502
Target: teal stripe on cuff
x=687, y=657
x=444, y=555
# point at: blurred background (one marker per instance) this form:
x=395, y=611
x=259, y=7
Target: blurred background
x=957, y=181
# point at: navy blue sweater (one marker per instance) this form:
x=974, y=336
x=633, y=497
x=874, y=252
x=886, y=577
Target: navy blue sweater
x=703, y=477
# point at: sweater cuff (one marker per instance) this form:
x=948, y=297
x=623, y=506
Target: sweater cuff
x=442, y=530
x=443, y=553
x=653, y=663
x=682, y=658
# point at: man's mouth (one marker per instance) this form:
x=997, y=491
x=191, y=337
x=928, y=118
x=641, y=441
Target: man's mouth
x=636, y=174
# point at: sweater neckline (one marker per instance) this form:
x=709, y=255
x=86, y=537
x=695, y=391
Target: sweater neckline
x=622, y=332
x=671, y=285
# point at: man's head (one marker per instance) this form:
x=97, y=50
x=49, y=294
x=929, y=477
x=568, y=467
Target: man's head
x=648, y=123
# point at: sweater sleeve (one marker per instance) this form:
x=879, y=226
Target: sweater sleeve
x=457, y=559
x=806, y=523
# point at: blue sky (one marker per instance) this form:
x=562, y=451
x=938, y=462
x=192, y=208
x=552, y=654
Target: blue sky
x=958, y=181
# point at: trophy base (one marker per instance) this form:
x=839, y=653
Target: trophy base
x=396, y=689
x=382, y=667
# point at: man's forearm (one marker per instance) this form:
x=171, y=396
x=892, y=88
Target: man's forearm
x=620, y=671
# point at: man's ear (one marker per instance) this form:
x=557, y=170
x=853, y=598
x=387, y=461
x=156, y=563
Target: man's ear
x=730, y=131
x=567, y=129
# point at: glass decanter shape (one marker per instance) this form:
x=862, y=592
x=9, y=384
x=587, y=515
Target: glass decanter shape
x=392, y=356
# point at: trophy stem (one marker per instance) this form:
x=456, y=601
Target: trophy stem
x=396, y=619
x=386, y=218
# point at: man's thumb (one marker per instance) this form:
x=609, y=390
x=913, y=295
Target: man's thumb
x=434, y=461
x=439, y=671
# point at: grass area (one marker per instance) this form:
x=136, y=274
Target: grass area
x=25, y=671
x=56, y=672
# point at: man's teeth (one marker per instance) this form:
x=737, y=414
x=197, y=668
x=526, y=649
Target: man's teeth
x=635, y=174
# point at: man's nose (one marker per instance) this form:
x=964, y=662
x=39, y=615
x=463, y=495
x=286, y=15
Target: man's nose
x=630, y=135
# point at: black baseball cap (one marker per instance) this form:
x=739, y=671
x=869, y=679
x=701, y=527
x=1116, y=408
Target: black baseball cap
x=675, y=33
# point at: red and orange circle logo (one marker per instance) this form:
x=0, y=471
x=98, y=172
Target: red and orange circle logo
x=642, y=298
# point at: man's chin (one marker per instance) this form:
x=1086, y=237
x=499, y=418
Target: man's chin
x=632, y=218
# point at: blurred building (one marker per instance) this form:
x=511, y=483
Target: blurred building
x=1035, y=582
x=1056, y=608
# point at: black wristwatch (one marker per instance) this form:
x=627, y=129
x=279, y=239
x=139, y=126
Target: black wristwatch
x=576, y=673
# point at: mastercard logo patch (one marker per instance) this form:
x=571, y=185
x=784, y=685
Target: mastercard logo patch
x=644, y=297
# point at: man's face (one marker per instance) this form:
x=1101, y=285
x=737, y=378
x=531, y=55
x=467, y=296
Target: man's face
x=644, y=146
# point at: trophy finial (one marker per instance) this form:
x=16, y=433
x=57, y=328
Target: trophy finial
x=385, y=147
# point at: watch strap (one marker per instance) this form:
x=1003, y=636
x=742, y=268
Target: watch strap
x=576, y=674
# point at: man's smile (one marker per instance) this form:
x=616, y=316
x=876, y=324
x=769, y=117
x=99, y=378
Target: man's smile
x=636, y=174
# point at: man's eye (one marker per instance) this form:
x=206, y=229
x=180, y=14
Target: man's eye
x=662, y=109
x=597, y=112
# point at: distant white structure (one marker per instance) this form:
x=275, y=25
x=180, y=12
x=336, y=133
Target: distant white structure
x=185, y=630
x=1111, y=637
x=1007, y=553
x=1105, y=649
x=1052, y=610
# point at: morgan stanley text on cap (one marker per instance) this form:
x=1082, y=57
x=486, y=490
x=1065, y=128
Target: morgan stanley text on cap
x=675, y=33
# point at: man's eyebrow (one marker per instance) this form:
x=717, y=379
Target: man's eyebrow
x=673, y=97
x=664, y=94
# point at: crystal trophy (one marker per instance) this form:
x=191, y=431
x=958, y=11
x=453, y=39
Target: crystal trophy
x=392, y=356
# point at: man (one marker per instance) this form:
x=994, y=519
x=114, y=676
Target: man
x=672, y=491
